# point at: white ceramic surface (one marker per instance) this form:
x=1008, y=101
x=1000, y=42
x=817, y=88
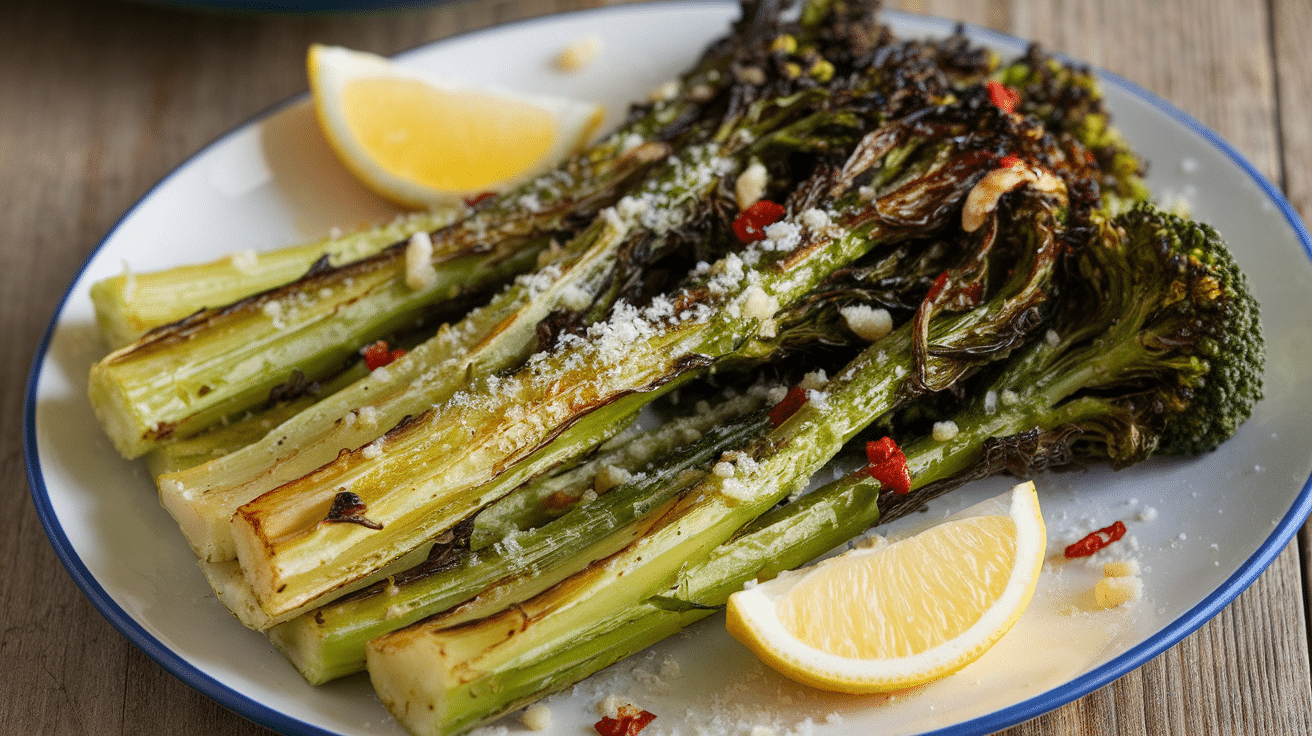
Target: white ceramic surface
x=1202, y=529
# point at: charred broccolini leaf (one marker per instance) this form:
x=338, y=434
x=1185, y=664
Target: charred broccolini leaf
x=1068, y=98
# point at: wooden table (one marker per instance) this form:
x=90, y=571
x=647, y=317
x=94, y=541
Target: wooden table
x=99, y=100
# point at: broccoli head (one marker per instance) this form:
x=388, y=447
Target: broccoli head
x=1159, y=348
x=1207, y=315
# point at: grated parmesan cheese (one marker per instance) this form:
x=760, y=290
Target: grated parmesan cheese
x=945, y=431
x=665, y=92
x=273, y=310
x=814, y=380
x=610, y=706
x=759, y=305
x=609, y=477
x=244, y=260
x=815, y=219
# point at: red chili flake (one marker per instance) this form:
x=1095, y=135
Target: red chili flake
x=1096, y=540
x=751, y=223
x=480, y=198
x=1008, y=161
x=888, y=465
x=628, y=722
x=788, y=406
x=1006, y=98
x=937, y=288
x=559, y=500
x=378, y=354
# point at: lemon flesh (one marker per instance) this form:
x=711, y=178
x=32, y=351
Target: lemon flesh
x=421, y=139
x=446, y=140
x=907, y=599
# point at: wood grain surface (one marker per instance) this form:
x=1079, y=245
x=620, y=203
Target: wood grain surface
x=100, y=100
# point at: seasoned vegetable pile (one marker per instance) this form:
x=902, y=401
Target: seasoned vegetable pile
x=486, y=454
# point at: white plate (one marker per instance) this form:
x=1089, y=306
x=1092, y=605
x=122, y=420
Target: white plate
x=1219, y=519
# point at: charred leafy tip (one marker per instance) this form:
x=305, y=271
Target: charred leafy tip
x=1068, y=99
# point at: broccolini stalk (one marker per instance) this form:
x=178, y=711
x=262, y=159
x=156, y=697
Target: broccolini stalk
x=231, y=436
x=440, y=677
x=492, y=338
x=329, y=642
x=414, y=483
x=131, y=304
x=1167, y=360
x=627, y=453
x=404, y=666
x=1110, y=383
x=437, y=678
x=182, y=378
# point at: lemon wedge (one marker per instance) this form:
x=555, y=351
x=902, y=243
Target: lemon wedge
x=420, y=139
x=904, y=613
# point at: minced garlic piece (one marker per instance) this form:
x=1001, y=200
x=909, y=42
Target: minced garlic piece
x=1121, y=569
x=983, y=197
x=578, y=53
x=750, y=185
x=537, y=717
x=609, y=477
x=1112, y=592
x=419, y=271
x=866, y=322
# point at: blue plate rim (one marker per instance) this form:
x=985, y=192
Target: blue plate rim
x=1084, y=684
